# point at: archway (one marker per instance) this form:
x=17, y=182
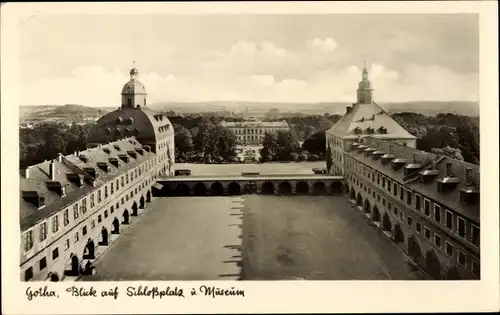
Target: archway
x=353, y=194
x=199, y=189
x=104, y=237
x=337, y=188
x=134, y=209
x=367, y=206
x=250, y=187
x=285, y=188
x=399, y=236
x=89, y=250
x=75, y=271
x=302, y=188
x=386, y=222
x=182, y=190
x=141, y=203
x=319, y=188
x=375, y=214
x=216, y=189
x=432, y=264
x=148, y=196
x=54, y=277
x=267, y=188
x=359, y=200
x=453, y=274
x=414, y=249
x=116, y=226
x=126, y=217
x=233, y=188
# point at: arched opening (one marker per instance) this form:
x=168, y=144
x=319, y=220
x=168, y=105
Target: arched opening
x=319, y=188
x=453, y=274
x=75, y=271
x=141, y=202
x=54, y=277
x=399, y=236
x=129, y=102
x=367, y=206
x=302, y=188
x=375, y=214
x=233, y=188
x=432, y=265
x=89, y=250
x=414, y=249
x=216, y=189
x=386, y=222
x=134, y=209
x=199, y=189
x=337, y=188
x=353, y=194
x=359, y=200
x=250, y=187
x=104, y=237
x=148, y=196
x=116, y=226
x=285, y=188
x=126, y=217
x=182, y=190
x=268, y=188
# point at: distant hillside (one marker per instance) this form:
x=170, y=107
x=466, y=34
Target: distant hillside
x=41, y=112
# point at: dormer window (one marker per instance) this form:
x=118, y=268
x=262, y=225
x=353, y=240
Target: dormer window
x=382, y=130
x=448, y=183
x=136, y=131
x=428, y=175
x=83, y=158
x=103, y=166
x=76, y=178
x=377, y=154
x=357, y=130
x=91, y=171
x=147, y=148
x=411, y=168
x=132, y=154
x=354, y=146
x=140, y=151
x=114, y=161
x=469, y=195
x=57, y=187
x=129, y=121
x=362, y=148
x=369, y=151
x=106, y=150
x=386, y=158
x=398, y=163
x=34, y=198
x=117, y=147
x=124, y=158
x=119, y=120
x=107, y=130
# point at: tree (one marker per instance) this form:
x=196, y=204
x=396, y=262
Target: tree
x=449, y=152
x=315, y=143
x=294, y=156
x=303, y=156
x=183, y=141
x=329, y=161
x=287, y=143
x=269, y=147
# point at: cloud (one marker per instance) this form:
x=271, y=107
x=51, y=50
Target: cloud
x=327, y=44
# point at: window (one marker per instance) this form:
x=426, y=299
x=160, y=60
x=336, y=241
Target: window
x=99, y=219
x=28, y=274
x=111, y=188
x=462, y=259
x=401, y=216
x=449, y=219
x=55, y=253
x=99, y=196
x=84, y=230
x=449, y=248
x=92, y=201
x=66, y=217
x=75, y=211
x=43, y=263
x=437, y=240
x=461, y=226
x=427, y=233
x=83, y=205
x=408, y=197
x=409, y=221
x=427, y=207
x=395, y=211
x=126, y=178
x=476, y=270
x=418, y=227
x=389, y=185
x=437, y=213
x=66, y=244
x=117, y=205
x=383, y=201
x=378, y=179
x=401, y=193
x=123, y=201
x=105, y=192
x=28, y=240
x=417, y=202
x=43, y=231
x=475, y=235
x=389, y=205
x=383, y=182
x=77, y=237
x=378, y=197
x=112, y=209
x=117, y=185
x=55, y=224
x=395, y=189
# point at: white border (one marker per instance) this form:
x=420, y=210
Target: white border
x=279, y=296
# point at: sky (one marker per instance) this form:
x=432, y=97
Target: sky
x=85, y=59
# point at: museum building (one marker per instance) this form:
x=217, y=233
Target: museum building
x=252, y=131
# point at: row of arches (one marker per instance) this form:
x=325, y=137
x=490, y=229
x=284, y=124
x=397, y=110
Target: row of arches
x=82, y=266
x=430, y=261
x=249, y=187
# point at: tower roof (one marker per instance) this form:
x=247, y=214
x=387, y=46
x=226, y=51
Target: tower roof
x=134, y=86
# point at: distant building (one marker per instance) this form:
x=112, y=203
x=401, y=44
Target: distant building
x=428, y=204
x=73, y=207
x=252, y=131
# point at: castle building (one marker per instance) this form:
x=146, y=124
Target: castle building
x=252, y=131
x=73, y=207
x=426, y=203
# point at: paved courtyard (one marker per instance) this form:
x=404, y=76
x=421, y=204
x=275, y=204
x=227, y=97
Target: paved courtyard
x=296, y=237
x=264, y=168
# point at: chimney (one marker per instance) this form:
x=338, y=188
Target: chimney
x=468, y=177
x=390, y=149
x=59, y=158
x=27, y=172
x=415, y=158
x=448, y=169
x=52, y=170
x=348, y=109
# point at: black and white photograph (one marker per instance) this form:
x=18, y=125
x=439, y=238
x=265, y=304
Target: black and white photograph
x=243, y=147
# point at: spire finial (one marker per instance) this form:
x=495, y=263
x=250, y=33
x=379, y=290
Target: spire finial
x=365, y=63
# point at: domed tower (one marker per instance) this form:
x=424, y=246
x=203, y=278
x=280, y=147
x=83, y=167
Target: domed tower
x=133, y=92
x=365, y=91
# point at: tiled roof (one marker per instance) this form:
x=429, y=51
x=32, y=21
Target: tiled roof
x=260, y=177
x=365, y=116
x=39, y=175
x=450, y=199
